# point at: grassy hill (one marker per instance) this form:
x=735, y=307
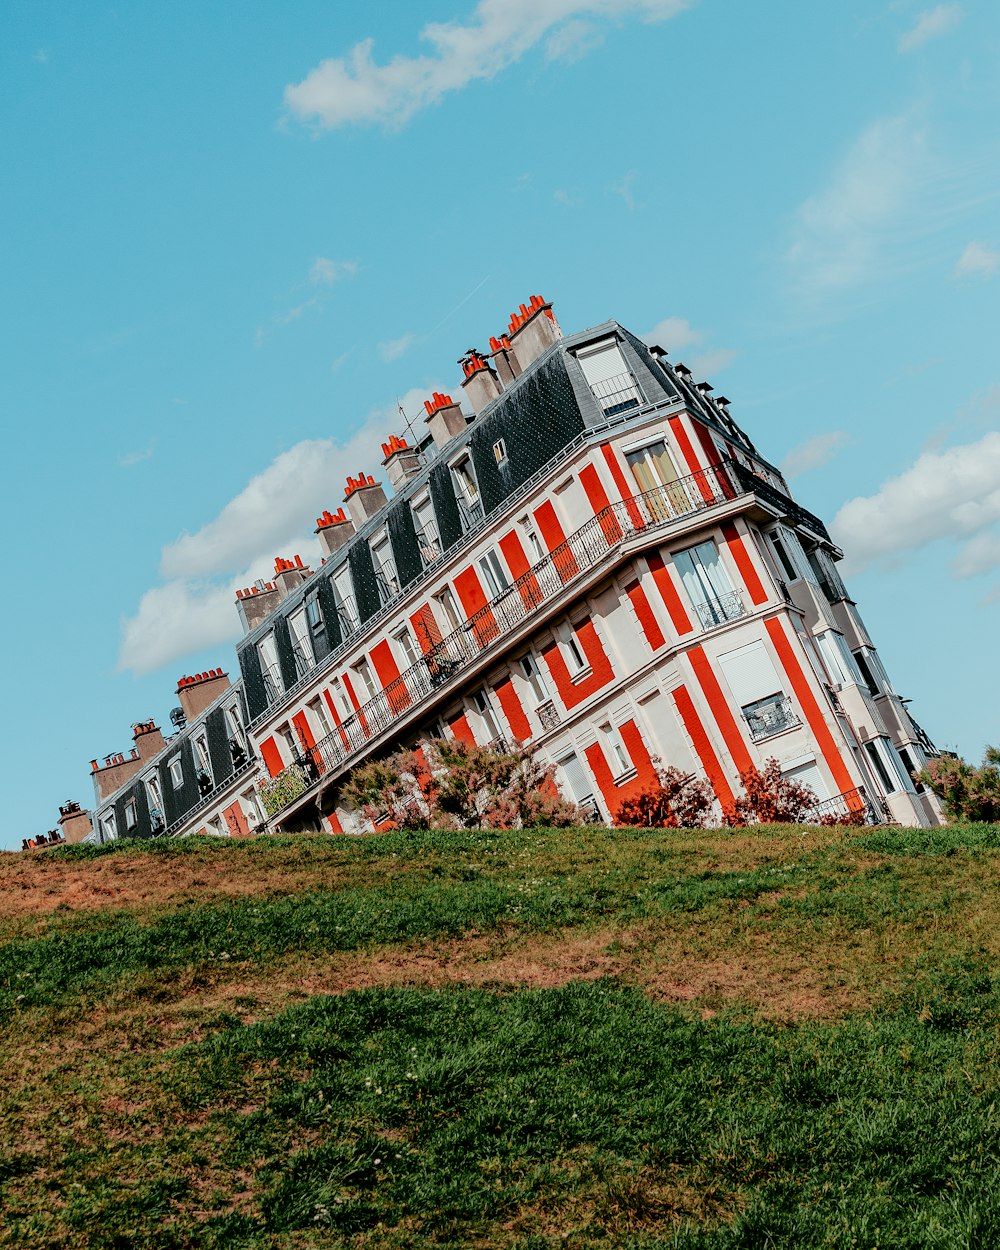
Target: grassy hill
x=571, y=1038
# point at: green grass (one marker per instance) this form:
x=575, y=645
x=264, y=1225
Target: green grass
x=572, y=1038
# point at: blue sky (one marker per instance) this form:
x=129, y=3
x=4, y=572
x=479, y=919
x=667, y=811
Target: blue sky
x=235, y=235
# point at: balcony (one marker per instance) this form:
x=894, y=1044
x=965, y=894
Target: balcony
x=594, y=544
x=618, y=394
x=850, y=808
x=770, y=716
x=717, y=611
x=274, y=687
x=470, y=512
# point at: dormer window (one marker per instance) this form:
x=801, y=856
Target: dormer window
x=301, y=642
x=425, y=524
x=609, y=377
x=385, y=568
x=343, y=596
x=470, y=506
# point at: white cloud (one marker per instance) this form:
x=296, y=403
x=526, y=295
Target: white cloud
x=978, y=259
x=712, y=362
x=929, y=25
x=624, y=188
x=355, y=89
x=129, y=458
x=325, y=271
x=274, y=514
x=673, y=334
x=952, y=494
x=840, y=233
x=814, y=453
x=396, y=347
x=41, y=56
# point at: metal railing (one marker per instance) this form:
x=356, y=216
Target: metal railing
x=593, y=544
x=770, y=717
x=274, y=687
x=548, y=715
x=717, y=611
x=778, y=499
x=471, y=513
x=851, y=807
x=618, y=394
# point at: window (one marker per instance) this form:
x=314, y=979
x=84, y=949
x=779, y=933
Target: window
x=534, y=678
x=446, y=602
x=267, y=652
x=201, y=751
x=284, y=732
x=484, y=706
x=500, y=451
x=837, y=658
x=109, y=828
x=407, y=647
x=364, y=673
x=343, y=597
x=790, y=556
x=769, y=716
x=866, y=672
x=756, y=687
x=470, y=507
x=609, y=377
x=131, y=814
x=781, y=552
x=343, y=703
x=494, y=573
x=314, y=616
x=707, y=585
x=615, y=753
x=575, y=782
x=571, y=650
x=153, y=794
x=907, y=756
x=656, y=474
x=176, y=772
x=536, y=551
x=320, y=718
x=428, y=538
x=881, y=765
x=385, y=569
x=302, y=650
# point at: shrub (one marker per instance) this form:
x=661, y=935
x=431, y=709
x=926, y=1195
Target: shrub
x=967, y=792
x=452, y=784
x=770, y=798
x=679, y=801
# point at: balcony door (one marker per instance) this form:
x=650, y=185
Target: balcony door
x=707, y=584
x=656, y=474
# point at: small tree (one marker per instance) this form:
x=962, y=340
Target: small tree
x=770, y=798
x=452, y=784
x=967, y=792
x=678, y=801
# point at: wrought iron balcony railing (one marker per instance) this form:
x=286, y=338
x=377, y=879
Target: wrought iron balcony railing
x=717, y=611
x=274, y=687
x=770, y=716
x=593, y=544
x=851, y=807
x=618, y=394
x=471, y=513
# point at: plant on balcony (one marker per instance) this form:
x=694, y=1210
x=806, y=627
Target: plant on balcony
x=770, y=798
x=452, y=784
x=967, y=792
x=679, y=800
x=277, y=792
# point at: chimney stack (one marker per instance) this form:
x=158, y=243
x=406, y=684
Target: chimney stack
x=333, y=529
x=255, y=603
x=401, y=462
x=481, y=383
x=504, y=357
x=74, y=822
x=533, y=329
x=288, y=574
x=194, y=694
x=364, y=498
x=444, y=418
x=148, y=740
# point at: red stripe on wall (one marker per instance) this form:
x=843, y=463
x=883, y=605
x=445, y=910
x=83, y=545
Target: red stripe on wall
x=625, y=488
x=555, y=540
x=460, y=728
x=679, y=430
x=388, y=674
x=425, y=627
x=720, y=708
x=809, y=704
x=744, y=563
x=669, y=593
x=601, y=672
x=703, y=746
x=613, y=792
x=334, y=822
x=714, y=456
x=644, y=611
x=512, y=709
x=362, y=719
x=236, y=821
x=598, y=499
x=335, y=714
x=301, y=723
x=271, y=756
x=473, y=599
x=517, y=561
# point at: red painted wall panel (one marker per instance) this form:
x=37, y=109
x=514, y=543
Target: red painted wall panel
x=473, y=600
x=388, y=674
x=703, y=746
x=512, y=709
x=744, y=563
x=669, y=593
x=720, y=709
x=271, y=756
x=554, y=538
x=644, y=611
x=601, y=672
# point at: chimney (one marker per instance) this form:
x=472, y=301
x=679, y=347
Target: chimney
x=194, y=694
x=444, y=418
x=364, y=498
x=115, y=771
x=333, y=529
x=507, y=365
x=148, y=740
x=533, y=329
x=401, y=462
x=74, y=822
x=481, y=383
x=288, y=574
x=255, y=603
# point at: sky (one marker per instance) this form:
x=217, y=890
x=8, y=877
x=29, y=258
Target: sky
x=237, y=237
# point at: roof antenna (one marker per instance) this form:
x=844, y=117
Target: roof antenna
x=413, y=432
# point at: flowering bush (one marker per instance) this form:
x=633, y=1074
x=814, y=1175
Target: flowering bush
x=679, y=800
x=967, y=792
x=452, y=784
x=770, y=798
x=277, y=792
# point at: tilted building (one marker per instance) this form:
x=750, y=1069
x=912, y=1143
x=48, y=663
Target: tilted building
x=593, y=557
